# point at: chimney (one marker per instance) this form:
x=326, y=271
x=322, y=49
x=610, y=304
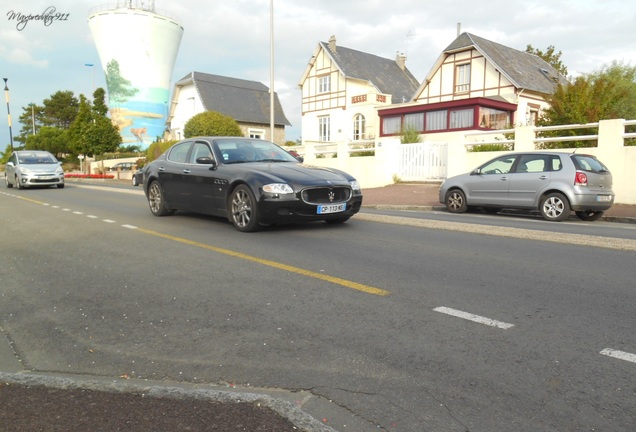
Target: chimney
x=332, y=43
x=400, y=59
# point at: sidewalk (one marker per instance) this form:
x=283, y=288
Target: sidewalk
x=424, y=196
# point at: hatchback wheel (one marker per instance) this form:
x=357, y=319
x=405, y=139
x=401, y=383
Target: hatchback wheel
x=156, y=200
x=243, y=210
x=589, y=216
x=555, y=207
x=6, y=179
x=16, y=181
x=456, y=201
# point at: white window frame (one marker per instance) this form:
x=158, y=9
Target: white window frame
x=462, y=78
x=324, y=129
x=324, y=84
x=359, y=127
x=256, y=133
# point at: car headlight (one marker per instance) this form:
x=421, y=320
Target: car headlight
x=354, y=185
x=24, y=170
x=59, y=171
x=278, y=188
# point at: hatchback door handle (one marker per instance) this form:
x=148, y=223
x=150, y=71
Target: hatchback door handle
x=186, y=171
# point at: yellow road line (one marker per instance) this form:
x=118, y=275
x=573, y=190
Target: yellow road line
x=30, y=200
x=335, y=280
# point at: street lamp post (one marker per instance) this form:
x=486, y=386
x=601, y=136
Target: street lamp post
x=6, y=96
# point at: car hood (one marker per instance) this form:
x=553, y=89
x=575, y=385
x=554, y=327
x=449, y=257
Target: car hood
x=41, y=168
x=300, y=174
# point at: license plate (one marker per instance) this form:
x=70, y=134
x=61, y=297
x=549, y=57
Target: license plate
x=603, y=198
x=332, y=208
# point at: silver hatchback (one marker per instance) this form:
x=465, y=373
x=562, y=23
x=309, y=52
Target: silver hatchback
x=552, y=182
x=27, y=168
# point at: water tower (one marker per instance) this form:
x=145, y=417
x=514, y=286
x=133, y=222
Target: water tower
x=137, y=46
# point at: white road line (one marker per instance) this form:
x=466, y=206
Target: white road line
x=473, y=317
x=622, y=355
x=91, y=216
x=108, y=221
x=78, y=213
x=129, y=226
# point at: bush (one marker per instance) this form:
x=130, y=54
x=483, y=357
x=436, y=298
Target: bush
x=490, y=148
x=211, y=123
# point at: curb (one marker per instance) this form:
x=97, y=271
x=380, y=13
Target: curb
x=281, y=407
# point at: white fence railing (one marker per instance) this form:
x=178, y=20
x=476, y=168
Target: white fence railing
x=387, y=165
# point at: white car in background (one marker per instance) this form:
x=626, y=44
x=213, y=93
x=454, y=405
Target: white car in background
x=29, y=168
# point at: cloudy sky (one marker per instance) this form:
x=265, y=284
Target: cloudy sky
x=232, y=38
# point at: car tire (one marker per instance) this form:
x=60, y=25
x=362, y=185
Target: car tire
x=555, y=207
x=134, y=181
x=589, y=216
x=17, y=183
x=243, y=210
x=456, y=201
x=8, y=183
x=60, y=186
x=156, y=200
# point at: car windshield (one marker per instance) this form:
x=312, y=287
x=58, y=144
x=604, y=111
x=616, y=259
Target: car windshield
x=35, y=159
x=244, y=151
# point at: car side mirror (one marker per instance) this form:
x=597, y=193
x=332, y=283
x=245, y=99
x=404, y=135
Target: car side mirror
x=476, y=171
x=207, y=160
x=300, y=159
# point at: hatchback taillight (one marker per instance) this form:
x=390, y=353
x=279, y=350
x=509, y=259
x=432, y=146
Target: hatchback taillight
x=580, y=179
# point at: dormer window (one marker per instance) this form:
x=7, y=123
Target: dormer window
x=324, y=84
x=462, y=78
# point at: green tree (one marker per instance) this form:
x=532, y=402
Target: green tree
x=119, y=88
x=92, y=133
x=60, y=109
x=607, y=93
x=551, y=57
x=51, y=139
x=31, y=120
x=211, y=123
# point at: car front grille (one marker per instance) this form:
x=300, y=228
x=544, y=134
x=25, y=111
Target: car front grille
x=45, y=180
x=326, y=195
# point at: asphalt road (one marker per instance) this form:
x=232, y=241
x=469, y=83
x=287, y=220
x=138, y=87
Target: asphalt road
x=408, y=326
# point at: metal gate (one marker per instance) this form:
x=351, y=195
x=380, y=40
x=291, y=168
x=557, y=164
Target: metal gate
x=423, y=161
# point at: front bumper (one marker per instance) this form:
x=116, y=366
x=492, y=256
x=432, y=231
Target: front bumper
x=36, y=179
x=281, y=209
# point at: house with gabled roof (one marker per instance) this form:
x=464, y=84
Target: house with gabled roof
x=247, y=102
x=342, y=89
x=476, y=84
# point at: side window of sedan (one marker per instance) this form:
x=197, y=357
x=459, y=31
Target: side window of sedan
x=179, y=152
x=199, y=150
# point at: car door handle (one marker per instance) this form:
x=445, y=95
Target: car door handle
x=504, y=179
x=162, y=169
x=543, y=177
x=186, y=171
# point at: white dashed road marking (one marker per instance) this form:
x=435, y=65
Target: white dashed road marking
x=622, y=355
x=473, y=317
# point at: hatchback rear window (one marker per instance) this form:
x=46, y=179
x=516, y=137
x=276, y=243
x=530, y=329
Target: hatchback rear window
x=588, y=163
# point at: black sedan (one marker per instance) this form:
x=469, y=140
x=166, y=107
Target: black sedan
x=252, y=182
